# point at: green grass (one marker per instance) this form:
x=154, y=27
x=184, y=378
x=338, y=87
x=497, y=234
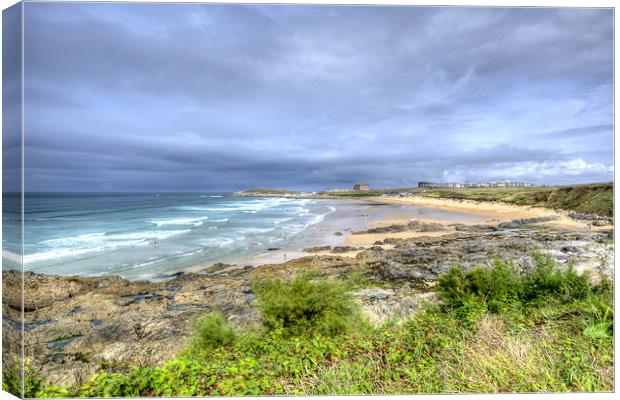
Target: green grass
x=495, y=330
x=352, y=194
x=594, y=198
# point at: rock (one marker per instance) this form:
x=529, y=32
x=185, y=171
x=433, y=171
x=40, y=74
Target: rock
x=569, y=249
x=338, y=233
x=526, y=221
x=114, y=351
x=414, y=226
x=603, y=220
x=374, y=293
x=217, y=267
x=344, y=249
x=394, y=271
x=317, y=249
x=474, y=228
x=601, y=223
x=146, y=323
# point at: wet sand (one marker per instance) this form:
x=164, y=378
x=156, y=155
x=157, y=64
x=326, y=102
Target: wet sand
x=361, y=214
x=357, y=215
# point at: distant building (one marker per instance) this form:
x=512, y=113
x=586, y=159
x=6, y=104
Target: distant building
x=439, y=185
x=361, y=187
x=337, y=190
x=427, y=184
x=493, y=184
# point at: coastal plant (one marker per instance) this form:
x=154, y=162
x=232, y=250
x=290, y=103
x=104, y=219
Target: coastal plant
x=13, y=374
x=304, y=306
x=498, y=288
x=211, y=332
x=548, y=279
x=489, y=334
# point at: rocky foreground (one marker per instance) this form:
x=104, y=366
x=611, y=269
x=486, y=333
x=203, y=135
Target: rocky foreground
x=76, y=326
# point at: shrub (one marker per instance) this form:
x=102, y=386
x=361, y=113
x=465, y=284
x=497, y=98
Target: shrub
x=471, y=310
x=497, y=288
x=302, y=306
x=12, y=379
x=548, y=280
x=500, y=288
x=211, y=332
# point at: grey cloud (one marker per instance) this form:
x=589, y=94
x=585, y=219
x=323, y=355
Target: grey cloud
x=205, y=97
x=582, y=131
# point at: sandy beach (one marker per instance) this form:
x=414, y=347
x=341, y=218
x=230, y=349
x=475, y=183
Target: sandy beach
x=416, y=240
x=479, y=213
x=340, y=228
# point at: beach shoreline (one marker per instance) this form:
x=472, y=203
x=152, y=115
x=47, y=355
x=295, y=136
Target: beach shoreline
x=341, y=229
x=479, y=212
x=147, y=322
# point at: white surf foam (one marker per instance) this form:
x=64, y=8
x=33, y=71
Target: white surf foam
x=95, y=242
x=180, y=221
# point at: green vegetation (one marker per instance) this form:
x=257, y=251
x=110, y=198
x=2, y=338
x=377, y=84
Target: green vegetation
x=594, y=198
x=210, y=333
x=306, y=307
x=352, y=194
x=495, y=330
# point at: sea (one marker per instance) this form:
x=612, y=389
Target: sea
x=146, y=236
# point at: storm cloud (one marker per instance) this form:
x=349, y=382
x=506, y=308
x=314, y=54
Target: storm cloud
x=190, y=97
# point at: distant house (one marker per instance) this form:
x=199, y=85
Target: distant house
x=492, y=184
x=361, y=187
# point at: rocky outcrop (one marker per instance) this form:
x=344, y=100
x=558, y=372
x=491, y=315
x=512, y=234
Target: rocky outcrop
x=345, y=249
x=526, y=221
x=411, y=226
x=317, y=249
x=596, y=220
x=76, y=326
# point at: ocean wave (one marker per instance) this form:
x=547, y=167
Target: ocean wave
x=314, y=219
x=255, y=230
x=220, y=242
x=251, y=206
x=320, y=217
x=111, y=237
x=96, y=242
x=10, y=256
x=180, y=221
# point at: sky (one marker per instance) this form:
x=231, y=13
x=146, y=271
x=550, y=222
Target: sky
x=190, y=97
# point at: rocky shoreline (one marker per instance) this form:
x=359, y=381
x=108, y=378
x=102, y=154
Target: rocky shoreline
x=76, y=326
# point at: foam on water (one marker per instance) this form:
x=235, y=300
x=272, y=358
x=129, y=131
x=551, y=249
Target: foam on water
x=180, y=221
x=94, y=242
x=147, y=235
